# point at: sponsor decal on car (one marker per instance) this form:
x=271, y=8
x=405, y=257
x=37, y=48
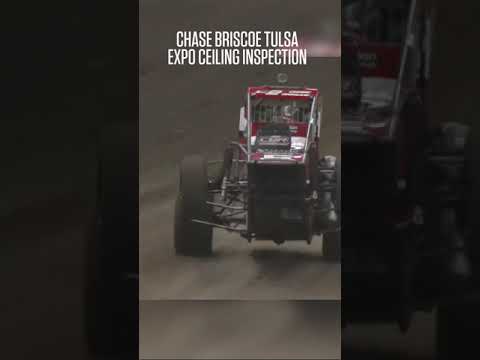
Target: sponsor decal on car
x=273, y=140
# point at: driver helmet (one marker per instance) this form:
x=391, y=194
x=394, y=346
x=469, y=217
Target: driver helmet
x=288, y=111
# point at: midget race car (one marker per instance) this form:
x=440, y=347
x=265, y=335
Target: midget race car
x=271, y=183
x=407, y=243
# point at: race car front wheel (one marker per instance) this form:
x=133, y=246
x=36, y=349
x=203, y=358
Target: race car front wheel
x=191, y=238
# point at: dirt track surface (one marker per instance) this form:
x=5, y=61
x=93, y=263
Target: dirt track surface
x=274, y=330
x=240, y=330
x=186, y=110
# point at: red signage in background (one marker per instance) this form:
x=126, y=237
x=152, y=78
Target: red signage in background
x=380, y=60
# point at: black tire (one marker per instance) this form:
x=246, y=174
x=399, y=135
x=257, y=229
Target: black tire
x=190, y=238
x=332, y=246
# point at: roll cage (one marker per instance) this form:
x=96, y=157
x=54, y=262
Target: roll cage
x=306, y=123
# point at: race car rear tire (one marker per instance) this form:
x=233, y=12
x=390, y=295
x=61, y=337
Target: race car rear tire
x=332, y=246
x=190, y=238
